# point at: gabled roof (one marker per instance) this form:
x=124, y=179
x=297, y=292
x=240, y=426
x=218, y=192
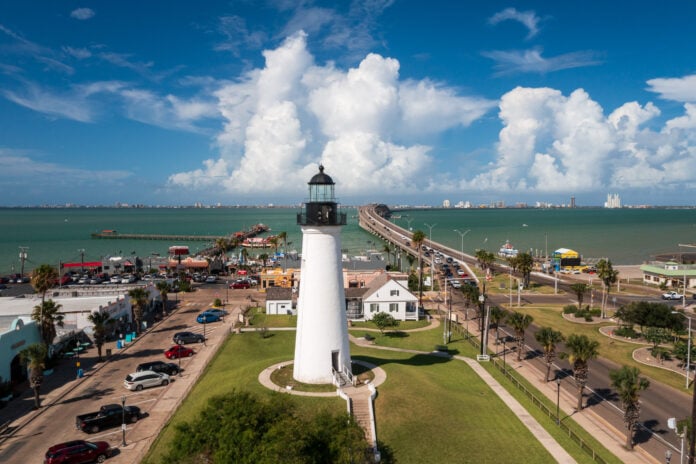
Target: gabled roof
x=356, y=292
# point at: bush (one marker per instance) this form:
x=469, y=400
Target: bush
x=570, y=309
x=368, y=337
x=596, y=312
x=660, y=353
x=217, y=303
x=626, y=332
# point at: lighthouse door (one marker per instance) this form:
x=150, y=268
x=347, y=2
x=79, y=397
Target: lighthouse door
x=334, y=361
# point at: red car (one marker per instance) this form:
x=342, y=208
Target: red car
x=178, y=351
x=78, y=451
x=240, y=284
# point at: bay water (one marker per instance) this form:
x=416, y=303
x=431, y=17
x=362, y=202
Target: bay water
x=626, y=236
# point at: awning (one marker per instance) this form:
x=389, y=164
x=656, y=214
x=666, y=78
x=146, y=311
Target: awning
x=85, y=264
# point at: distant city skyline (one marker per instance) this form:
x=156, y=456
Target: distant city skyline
x=167, y=103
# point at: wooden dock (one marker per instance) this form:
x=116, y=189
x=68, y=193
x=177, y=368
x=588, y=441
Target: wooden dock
x=112, y=234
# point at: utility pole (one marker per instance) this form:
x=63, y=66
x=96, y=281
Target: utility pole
x=22, y=258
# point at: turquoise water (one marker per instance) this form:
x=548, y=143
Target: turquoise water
x=626, y=236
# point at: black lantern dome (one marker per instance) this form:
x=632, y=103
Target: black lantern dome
x=321, y=209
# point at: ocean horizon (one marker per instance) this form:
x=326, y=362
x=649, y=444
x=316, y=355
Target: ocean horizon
x=626, y=236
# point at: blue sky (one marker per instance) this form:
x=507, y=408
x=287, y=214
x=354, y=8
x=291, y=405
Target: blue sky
x=237, y=102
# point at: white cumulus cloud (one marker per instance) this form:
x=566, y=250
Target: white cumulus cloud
x=681, y=89
x=362, y=123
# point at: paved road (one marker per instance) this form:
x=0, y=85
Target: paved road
x=55, y=422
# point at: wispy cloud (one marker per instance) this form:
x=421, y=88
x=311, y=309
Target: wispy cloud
x=79, y=53
x=237, y=35
x=64, y=106
x=22, y=46
x=532, y=61
x=681, y=89
x=528, y=18
x=82, y=13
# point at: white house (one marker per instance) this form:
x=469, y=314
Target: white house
x=279, y=301
x=386, y=295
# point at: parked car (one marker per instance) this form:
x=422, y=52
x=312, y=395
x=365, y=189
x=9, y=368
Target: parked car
x=116, y=279
x=672, y=296
x=178, y=351
x=182, y=338
x=143, y=379
x=217, y=311
x=240, y=284
x=455, y=284
x=207, y=317
x=78, y=451
x=109, y=415
x=158, y=366
x=211, y=279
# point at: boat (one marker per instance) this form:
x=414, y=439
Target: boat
x=507, y=250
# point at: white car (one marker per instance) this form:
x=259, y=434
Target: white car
x=143, y=379
x=211, y=279
x=115, y=279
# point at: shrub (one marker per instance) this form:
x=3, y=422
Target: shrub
x=217, y=303
x=626, y=331
x=660, y=353
x=570, y=309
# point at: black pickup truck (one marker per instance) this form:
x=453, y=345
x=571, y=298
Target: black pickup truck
x=109, y=415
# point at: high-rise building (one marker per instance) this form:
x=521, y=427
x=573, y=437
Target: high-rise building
x=322, y=353
x=613, y=201
x=572, y=202
x=445, y=203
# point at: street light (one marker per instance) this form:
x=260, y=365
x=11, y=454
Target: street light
x=558, y=400
x=481, y=299
x=461, y=235
x=180, y=342
x=123, y=420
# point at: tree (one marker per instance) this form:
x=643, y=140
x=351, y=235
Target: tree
x=608, y=276
x=44, y=278
x=34, y=356
x=139, y=299
x=581, y=351
x=164, y=289
x=519, y=323
x=525, y=264
x=418, y=238
x=47, y=315
x=484, y=258
x=387, y=249
x=264, y=258
x=221, y=245
x=628, y=384
x=495, y=316
x=548, y=339
x=99, y=321
x=384, y=320
x=240, y=427
x=579, y=290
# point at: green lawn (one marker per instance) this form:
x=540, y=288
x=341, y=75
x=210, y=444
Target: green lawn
x=429, y=409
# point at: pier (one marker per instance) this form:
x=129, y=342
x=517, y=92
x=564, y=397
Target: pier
x=112, y=234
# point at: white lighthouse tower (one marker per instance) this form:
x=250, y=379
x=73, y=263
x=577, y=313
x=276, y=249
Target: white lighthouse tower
x=321, y=344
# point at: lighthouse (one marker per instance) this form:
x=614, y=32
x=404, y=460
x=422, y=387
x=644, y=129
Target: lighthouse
x=321, y=345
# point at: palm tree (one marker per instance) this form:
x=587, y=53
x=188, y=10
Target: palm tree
x=99, y=322
x=221, y=245
x=44, y=278
x=548, y=339
x=418, y=238
x=47, y=314
x=582, y=350
x=579, y=290
x=387, y=249
x=164, y=288
x=608, y=276
x=34, y=356
x=519, y=323
x=264, y=259
x=284, y=237
x=628, y=384
x=484, y=258
x=495, y=316
x=525, y=263
x=139, y=299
